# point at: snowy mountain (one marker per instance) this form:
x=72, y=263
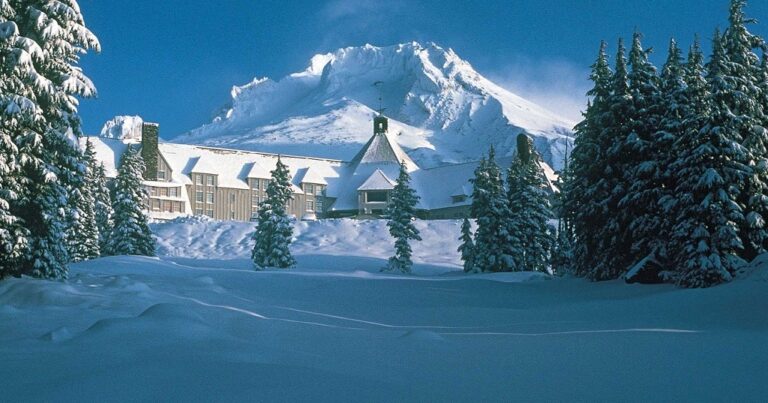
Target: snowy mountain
x=123, y=128
x=440, y=107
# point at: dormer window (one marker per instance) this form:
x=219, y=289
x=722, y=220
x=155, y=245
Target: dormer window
x=160, y=174
x=309, y=188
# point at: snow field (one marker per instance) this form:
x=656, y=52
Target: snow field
x=198, y=324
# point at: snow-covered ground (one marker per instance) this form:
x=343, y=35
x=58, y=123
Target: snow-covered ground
x=198, y=324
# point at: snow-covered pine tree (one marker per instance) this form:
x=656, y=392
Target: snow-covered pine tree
x=530, y=209
x=402, y=212
x=612, y=242
x=585, y=185
x=562, y=252
x=131, y=234
x=17, y=113
x=467, y=247
x=48, y=39
x=83, y=234
x=489, y=207
x=639, y=218
x=274, y=230
x=741, y=72
x=102, y=200
x=710, y=165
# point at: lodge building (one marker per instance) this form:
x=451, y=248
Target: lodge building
x=228, y=184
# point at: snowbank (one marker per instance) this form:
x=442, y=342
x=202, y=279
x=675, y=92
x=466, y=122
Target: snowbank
x=197, y=323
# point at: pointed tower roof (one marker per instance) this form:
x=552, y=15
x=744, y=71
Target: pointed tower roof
x=381, y=149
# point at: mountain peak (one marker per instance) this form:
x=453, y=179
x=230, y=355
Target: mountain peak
x=441, y=110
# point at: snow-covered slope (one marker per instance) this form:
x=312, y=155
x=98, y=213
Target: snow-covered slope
x=442, y=109
x=199, y=324
x=123, y=128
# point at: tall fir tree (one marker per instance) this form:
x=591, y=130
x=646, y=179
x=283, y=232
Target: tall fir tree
x=102, y=207
x=710, y=167
x=528, y=196
x=741, y=71
x=643, y=152
x=612, y=242
x=585, y=185
x=402, y=212
x=83, y=233
x=18, y=113
x=493, y=241
x=467, y=247
x=47, y=41
x=274, y=230
x=131, y=234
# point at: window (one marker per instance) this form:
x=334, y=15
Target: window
x=209, y=197
x=376, y=196
x=199, y=180
x=309, y=188
x=318, y=190
x=163, y=191
x=232, y=215
x=255, y=200
x=152, y=191
x=198, y=211
x=320, y=205
x=156, y=205
x=181, y=207
x=173, y=192
x=199, y=196
x=160, y=174
x=255, y=183
x=264, y=183
x=210, y=180
x=232, y=198
x=310, y=205
x=254, y=216
x=209, y=212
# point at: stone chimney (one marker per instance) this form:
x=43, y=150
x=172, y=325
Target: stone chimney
x=149, y=137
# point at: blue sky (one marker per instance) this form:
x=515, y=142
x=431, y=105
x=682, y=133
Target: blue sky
x=175, y=61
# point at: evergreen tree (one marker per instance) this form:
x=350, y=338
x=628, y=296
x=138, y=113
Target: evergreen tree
x=639, y=214
x=274, y=230
x=530, y=209
x=562, y=253
x=83, y=234
x=741, y=71
x=44, y=41
x=17, y=114
x=467, y=247
x=709, y=167
x=585, y=185
x=612, y=241
x=493, y=241
x=402, y=212
x=102, y=200
x=131, y=234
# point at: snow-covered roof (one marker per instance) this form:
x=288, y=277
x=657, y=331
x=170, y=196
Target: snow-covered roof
x=377, y=181
x=309, y=175
x=204, y=165
x=381, y=149
x=373, y=169
x=258, y=171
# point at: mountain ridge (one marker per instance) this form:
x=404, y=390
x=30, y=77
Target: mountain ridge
x=442, y=110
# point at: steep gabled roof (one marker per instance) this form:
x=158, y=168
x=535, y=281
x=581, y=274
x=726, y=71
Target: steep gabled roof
x=377, y=181
x=382, y=149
